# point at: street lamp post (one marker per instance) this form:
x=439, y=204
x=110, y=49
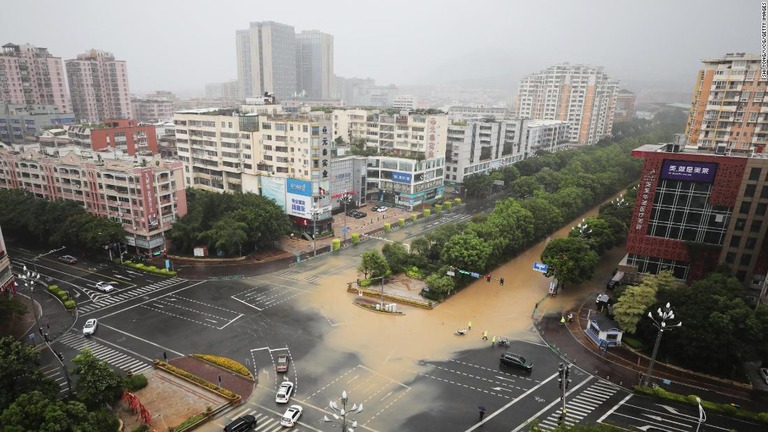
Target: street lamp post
x=661, y=325
x=702, y=414
x=563, y=381
x=314, y=211
x=30, y=277
x=34, y=260
x=343, y=413
x=345, y=200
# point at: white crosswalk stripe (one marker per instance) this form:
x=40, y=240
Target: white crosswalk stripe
x=112, y=357
x=581, y=405
x=57, y=375
x=109, y=300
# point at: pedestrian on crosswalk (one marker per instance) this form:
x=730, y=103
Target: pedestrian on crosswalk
x=485, y=335
x=493, y=341
x=469, y=325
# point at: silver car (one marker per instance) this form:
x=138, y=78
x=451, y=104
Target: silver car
x=90, y=327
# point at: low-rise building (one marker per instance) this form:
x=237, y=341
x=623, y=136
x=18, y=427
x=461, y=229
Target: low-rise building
x=476, y=113
x=547, y=135
x=23, y=123
x=146, y=197
x=152, y=110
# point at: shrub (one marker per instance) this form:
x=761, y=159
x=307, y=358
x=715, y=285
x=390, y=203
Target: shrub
x=414, y=272
x=142, y=428
x=69, y=304
x=448, y=205
x=457, y=201
x=427, y=212
x=226, y=363
x=190, y=421
x=414, y=217
x=135, y=382
x=355, y=238
x=632, y=342
x=438, y=208
x=54, y=288
x=62, y=295
x=365, y=283
x=401, y=222
x=335, y=244
x=196, y=379
x=387, y=227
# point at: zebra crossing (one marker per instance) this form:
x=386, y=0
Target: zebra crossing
x=297, y=276
x=264, y=422
x=113, y=357
x=104, y=301
x=57, y=374
x=581, y=405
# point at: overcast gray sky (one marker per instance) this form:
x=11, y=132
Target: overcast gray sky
x=180, y=45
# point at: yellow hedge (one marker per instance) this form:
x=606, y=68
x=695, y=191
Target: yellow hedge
x=226, y=363
x=197, y=380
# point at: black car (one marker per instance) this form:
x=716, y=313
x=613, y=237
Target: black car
x=516, y=360
x=360, y=215
x=351, y=213
x=240, y=424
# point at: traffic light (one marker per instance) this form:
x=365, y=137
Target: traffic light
x=488, y=277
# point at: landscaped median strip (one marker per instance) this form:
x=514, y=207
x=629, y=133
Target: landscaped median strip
x=225, y=363
x=232, y=397
x=422, y=304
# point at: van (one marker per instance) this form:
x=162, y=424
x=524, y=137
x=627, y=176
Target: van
x=241, y=424
x=616, y=280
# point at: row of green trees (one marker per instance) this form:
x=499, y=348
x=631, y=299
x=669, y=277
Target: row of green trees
x=720, y=330
x=235, y=224
x=55, y=223
x=555, y=187
x=29, y=401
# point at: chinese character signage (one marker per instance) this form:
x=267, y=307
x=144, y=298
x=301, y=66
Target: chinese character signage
x=689, y=171
x=645, y=195
x=431, y=137
x=298, y=198
x=148, y=192
x=401, y=177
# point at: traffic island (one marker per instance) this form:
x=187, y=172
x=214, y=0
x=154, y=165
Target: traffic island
x=378, y=307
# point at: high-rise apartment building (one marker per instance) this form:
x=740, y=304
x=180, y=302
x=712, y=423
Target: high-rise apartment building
x=266, y=60
x=30, y=75
x=145, y=198
x=152, y=109
x=582, y=95
x=728, y=111
x=99, y=87
x=314, y=61
x=625, y=105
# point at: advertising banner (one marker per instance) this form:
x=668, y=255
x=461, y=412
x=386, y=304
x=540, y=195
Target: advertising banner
x=401, y=177
x=298, y=196
x=274, y=189
x=689, y=171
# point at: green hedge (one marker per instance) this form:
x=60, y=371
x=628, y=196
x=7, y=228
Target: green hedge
x=414, y=217
x=135, y=382
x=69, y=304
x=438, y=208
x=335, y=244
x=150, y=269
x=427, y=212
x=632, y=342
x=365, y=283
x=387, y=227
x=355, y=238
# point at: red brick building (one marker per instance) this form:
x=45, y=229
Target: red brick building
x=127, y=135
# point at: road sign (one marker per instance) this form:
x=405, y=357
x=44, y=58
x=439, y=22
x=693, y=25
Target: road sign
x=540, y=267
x=475, y=275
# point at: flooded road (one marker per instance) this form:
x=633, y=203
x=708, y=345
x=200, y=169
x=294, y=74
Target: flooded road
x=394, y=345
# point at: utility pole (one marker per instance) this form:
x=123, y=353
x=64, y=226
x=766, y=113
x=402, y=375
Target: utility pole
x=563, y=372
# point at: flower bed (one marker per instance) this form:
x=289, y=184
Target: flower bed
x=426, y=304
x=225, y=363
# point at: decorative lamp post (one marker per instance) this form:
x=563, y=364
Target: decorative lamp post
x=583, y=228
x=314, y=211
x=30, y=277
x=343, y=413
x=662, y=326
x=345, y=200
x=563, y=381
x=702, y=414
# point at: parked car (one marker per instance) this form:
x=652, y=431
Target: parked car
x=90, y=327
x=69, y=259
x=516, y=360
x=764, y=374
x=241, y=424
x=284, y=392
x=380, y=209
x=281, y=364
x=291, y=415
x=359, y=215
x=104, y=287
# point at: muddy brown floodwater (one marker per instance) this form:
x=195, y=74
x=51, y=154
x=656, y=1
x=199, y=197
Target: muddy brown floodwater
x=393, y=345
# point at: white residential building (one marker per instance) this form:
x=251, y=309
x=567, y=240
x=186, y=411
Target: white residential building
x=582, y=95
x=469, y=113
x=547, y=135
x=405, y=102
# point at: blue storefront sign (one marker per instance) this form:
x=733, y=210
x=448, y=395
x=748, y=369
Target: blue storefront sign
x=401, y=177
x=299, y=187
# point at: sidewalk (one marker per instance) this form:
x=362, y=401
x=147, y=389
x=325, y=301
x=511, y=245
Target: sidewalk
x=626, y=367
x=52, y=317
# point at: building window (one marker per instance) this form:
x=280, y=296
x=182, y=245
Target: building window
x=760, y=209
x=754, y=174
x=756, y=225
x=764, y=192
x=730, y=257
x=745, y=259
x=750, y=244
x=745, y=206
x=749, y=191
x=735, y=240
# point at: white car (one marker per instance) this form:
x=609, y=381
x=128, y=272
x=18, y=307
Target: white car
x=90, y=327
x=104, y=286
x=381, y=209
x=284, y=392
x=291, y=416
